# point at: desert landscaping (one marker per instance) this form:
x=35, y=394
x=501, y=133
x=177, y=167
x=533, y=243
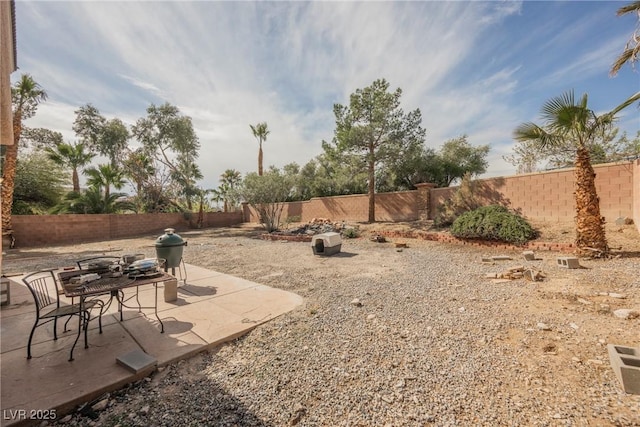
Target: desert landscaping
x=418, y=335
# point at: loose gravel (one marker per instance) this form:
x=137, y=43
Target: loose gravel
x=391, y=337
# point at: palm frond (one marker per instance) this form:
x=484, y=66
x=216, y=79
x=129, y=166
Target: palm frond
x=553, y=107
x=631, y=7
x=624, y=57
x=633, y=98
x=533, y=132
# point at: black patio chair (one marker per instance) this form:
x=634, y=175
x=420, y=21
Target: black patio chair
x=98, y=264
x=46, y=294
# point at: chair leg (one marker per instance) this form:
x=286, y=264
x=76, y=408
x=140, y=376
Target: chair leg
x=66, y=323
x=80, y=324
x=70, y=317
x=35, y=325
x=55, y=328
x=100, y=315
x=86, y=328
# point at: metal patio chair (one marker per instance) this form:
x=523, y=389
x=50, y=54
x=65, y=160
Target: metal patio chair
x=46, y=294
x=98, y=264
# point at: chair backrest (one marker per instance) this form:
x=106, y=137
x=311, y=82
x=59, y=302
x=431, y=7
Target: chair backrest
x=44, y=288
x=98, y=263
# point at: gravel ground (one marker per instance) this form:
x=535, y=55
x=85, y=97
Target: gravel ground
x=391, y=338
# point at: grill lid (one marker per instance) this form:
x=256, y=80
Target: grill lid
x=169, y=238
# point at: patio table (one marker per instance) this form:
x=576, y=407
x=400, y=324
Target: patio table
x=114, y=288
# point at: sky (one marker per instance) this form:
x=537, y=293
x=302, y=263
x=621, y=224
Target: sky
x=476, y=68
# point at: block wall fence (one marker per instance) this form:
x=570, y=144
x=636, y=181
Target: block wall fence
x=544, y=195
x=47, y=230
x=540, y=196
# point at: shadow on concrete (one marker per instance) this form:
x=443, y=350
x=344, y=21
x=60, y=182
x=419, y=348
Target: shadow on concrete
x=190, y=289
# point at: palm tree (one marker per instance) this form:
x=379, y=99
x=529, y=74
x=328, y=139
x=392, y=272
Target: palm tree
x=217, y=196
x=93, y=202
x=202, y=198
x=103, y=177
x=632, y=49
x=569, y=122
x=26, y=94
x=72, y=156
x=260, y=131
x=229, y=180
x=185, y=175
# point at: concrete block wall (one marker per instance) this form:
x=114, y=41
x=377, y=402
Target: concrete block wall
x=549, y=195
x=636, y=193
x=48, y=230
x=396, y=206
x=544, y=195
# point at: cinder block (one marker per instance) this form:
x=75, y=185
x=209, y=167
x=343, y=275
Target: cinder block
x=568, y=262
x=5, y=291
x=171, y=290
x=529, y=255
x=625, y=362
x=137, y=361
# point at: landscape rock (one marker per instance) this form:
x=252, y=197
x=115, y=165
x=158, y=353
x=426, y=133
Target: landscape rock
x=543, y=326
x=101, y=405
x=419, y=361
x=626, y=313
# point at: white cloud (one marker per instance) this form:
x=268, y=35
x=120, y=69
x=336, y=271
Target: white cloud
x=231, y=64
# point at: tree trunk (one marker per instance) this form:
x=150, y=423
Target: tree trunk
x=590, y=231
x=372, y=185
x=260, y=160
x=9, y=175
x=200, y=215
x=76, y=180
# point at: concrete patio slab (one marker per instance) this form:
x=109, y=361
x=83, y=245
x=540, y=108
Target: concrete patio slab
x=50, y=381
x=211, y=308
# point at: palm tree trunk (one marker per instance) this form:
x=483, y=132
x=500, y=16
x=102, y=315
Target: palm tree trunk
x=200, y=222
x=590, y=231
x=76, y=180
x=9, y=175
x=260, y=160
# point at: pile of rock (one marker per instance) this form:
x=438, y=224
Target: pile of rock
x=317, y=226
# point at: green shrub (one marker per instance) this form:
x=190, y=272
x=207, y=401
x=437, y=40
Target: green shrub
x=493, y=222
x=351, y=233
